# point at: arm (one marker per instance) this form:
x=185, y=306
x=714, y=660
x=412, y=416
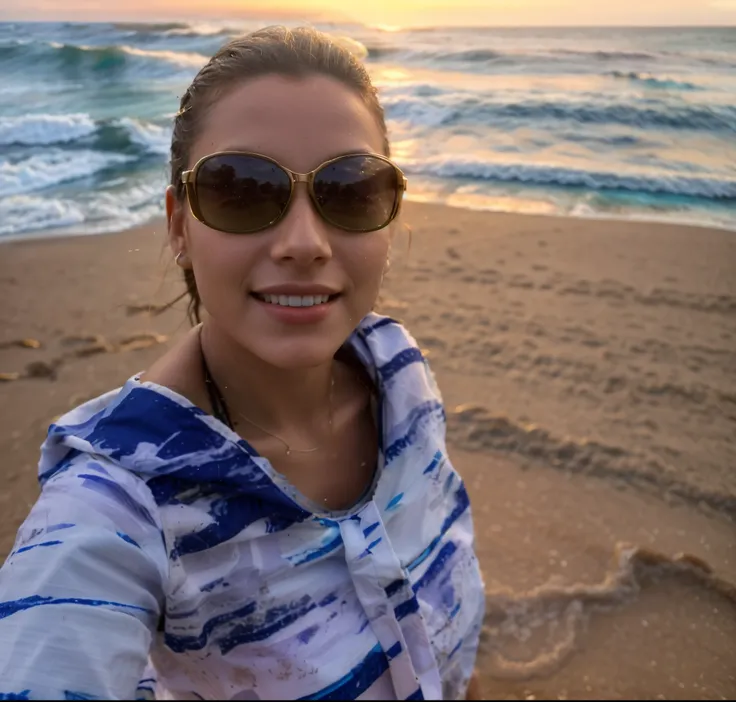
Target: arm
x=81, y=592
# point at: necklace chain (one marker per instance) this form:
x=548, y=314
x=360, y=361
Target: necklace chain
x=210, y=382
x=290, y=450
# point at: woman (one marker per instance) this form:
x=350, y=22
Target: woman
x=269, y=511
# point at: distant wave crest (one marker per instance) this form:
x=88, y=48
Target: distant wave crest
x=43, y=130
x=52, y=168
x=534, y=174
x=150, y=26
x=111, y=61
x=461, y=108
x=650, y=81
x=486, y=55
x=122, y=135
x=479, y=58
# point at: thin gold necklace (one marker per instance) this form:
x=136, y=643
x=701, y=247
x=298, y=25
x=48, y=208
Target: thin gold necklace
x=290, y=450
x=216, y=397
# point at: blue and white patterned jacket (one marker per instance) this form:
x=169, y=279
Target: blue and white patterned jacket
x=166, y=557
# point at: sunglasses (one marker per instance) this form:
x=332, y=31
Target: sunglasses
x=242, y=193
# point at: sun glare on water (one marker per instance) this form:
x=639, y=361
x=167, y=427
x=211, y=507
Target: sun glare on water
x=387, y=27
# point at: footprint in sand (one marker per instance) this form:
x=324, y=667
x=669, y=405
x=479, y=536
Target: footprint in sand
x=83, y=345
x=22, y=343
x=146, y=308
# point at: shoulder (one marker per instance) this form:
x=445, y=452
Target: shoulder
x=180, y=370
x=99, y=489
x=92, y=517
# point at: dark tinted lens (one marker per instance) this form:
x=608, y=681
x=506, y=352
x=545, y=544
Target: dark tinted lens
x=357, y=192
x=238, y=193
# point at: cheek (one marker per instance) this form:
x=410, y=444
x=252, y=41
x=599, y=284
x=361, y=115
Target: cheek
x=222, y=263
x=365, y=259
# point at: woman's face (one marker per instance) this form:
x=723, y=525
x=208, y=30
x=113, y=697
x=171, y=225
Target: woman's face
x=300, y=123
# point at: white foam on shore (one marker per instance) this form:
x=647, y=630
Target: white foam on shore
x=27, y=213
x=95, y=213
x=45, y=129
x=52, y=168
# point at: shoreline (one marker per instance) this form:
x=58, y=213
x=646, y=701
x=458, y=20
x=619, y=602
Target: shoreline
x=68, y=232
x=587, y=367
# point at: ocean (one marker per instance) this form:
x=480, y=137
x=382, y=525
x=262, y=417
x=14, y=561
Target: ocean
x=622, y=123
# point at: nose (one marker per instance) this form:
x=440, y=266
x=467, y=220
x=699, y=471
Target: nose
x=301, y=236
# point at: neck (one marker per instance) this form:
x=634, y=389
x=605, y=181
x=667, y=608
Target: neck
x=275, y=399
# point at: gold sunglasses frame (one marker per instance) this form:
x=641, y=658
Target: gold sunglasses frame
x=189, y=180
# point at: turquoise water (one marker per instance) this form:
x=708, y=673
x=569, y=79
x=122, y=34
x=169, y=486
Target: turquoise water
x=625, y=123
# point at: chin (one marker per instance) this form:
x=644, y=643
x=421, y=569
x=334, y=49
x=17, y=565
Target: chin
x=296, y=354
x=289, y=342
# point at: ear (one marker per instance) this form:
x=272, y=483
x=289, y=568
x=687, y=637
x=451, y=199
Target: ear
x=175, y=217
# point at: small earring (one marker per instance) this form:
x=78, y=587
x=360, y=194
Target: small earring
x=178, y=257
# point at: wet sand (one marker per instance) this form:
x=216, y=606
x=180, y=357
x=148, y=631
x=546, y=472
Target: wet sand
x=589, y=371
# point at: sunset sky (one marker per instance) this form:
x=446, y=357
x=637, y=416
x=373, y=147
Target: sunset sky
x=394, y=12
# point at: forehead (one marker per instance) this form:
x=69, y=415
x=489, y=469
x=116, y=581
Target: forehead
x=300, y=122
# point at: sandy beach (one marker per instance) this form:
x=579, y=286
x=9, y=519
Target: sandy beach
x=589, y=373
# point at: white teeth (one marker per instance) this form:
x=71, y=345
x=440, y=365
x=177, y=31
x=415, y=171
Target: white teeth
x=295, y=300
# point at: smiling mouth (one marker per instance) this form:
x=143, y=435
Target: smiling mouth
x=295, y=300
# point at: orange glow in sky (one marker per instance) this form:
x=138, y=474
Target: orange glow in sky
x=395, y=12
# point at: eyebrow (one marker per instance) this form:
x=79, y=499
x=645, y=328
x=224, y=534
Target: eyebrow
x=350, y=152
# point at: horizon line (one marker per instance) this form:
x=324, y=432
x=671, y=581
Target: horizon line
x=393, y=28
